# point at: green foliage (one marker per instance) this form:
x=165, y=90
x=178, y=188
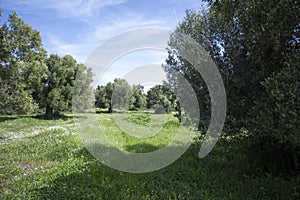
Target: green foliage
x=57, y=91
x=161, y=99
x=29, y=80
x=19, y=102
x=258, y=38
x=83, y=96
x=109, y=92
x=195, y=26
x=252, y=42
x=22, y=67
x=120, y=95
x=274, y=121
x=260, y=44
x=138, y=98
x=101, y=97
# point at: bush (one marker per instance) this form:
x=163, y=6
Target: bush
x=274, y=121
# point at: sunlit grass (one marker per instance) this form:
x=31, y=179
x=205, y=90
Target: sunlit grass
x=54, y=164
x=122, y=138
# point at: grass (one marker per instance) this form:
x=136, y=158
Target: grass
x=45, y=159
x=136, y=124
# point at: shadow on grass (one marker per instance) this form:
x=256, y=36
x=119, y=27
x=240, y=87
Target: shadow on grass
x=41, y=117
x=189, y=177
x=53, y=117
x=6, y=118
x=102, y=111
x=90, y=179
x=142, y=148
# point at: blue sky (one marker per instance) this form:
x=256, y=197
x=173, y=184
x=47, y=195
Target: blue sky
x=77, y=27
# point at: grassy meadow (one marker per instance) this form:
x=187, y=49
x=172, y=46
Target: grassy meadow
x=44, y=158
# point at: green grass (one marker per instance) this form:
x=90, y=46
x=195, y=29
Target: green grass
x=140, y=118
x=135, y=122
x=45, y=159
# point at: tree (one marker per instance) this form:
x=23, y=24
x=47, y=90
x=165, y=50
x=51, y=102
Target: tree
x=60, y=86
x=109, y=91
x=252, y=43
x=261, y=47
x=176, y=67
x=29, y=79
x=160, y=98
x=57, y=91
x=138, y=99
x=275, y=119
x=22, y=66
x=101, y=97
x=257, y=41
x=121, y=94
x=83, y=96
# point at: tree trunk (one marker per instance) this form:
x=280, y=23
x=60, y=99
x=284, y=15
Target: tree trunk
x=110, y=109
x=295, y=160
x=49, y=110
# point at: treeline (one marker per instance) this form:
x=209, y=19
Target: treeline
x=31, y=80
x=256, y=46
x=121, y=96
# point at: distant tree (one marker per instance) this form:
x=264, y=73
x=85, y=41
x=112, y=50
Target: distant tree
x=138, y=98
x=109, y=91
x=83, y=96
x=121, y=94
x=101, y=97
x=124, y=96
x=160, y=97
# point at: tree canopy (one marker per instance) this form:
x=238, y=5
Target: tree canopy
x=255, y=45
x=120, y=95
x=29, y=79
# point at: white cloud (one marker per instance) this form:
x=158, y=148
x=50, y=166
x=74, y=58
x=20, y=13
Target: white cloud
x=82, y=9
x=63, y=48
x=78, y=49
x=139, y=67
x=104, y=32
x=84, y=44
x=101, y=19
